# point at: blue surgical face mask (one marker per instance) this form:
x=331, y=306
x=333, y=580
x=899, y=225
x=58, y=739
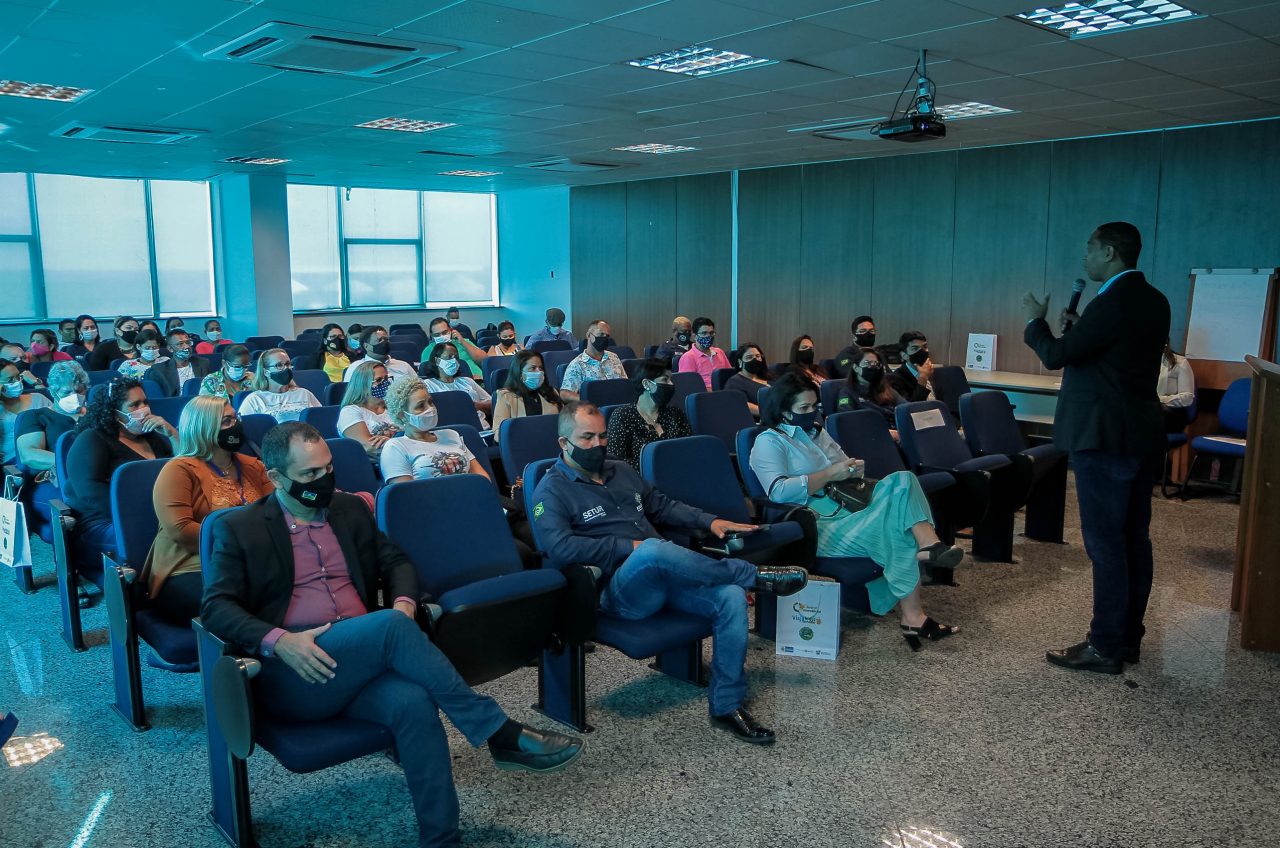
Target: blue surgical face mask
x=234, y=372
x=150, y=354
x=13, y=388
x=448, y=367
x=534, y=379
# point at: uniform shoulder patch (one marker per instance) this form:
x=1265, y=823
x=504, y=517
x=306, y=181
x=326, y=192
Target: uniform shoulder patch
x=538, y=510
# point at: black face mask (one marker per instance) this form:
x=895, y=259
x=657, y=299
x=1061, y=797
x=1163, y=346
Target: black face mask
x=919, y=357
x=805, y=357
x=336, y=345
x=281, y=378
x=682, y=338
x=755, y=367
x=381, y=348
x=231, y=438
x=872, y=373
x=318, y=493
x=601, y=343
x=129, y=336
x=663, y=393
x=805, y=420
x=507, y=342
x=865, y=339
x=590, y=460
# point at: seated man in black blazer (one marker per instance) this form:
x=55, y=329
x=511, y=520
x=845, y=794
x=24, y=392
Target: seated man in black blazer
x=295, y=578
x=182, y=364
x=912, y=379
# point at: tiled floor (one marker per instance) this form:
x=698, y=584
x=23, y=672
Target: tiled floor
x=974, y=742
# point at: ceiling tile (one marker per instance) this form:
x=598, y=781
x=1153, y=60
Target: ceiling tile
x=1145, y=41
x=979, y=39
x=489, y=24
x=865, y=57
x=603, y=44
x=382, y=14
x=1260, y=20
x=693, y=21
x=887, y=19
x=788, y=40
x=577, y=10
x=1254, y=52
x=1043, y=57
x=525, y=65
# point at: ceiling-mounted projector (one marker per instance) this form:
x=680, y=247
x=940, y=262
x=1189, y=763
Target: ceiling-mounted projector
x=921, y=121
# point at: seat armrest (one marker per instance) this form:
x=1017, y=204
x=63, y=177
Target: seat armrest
x=233, y=702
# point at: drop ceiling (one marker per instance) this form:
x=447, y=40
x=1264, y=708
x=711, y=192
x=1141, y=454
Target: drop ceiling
x=539, y=79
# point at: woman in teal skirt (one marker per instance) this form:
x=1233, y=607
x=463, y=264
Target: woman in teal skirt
x=794, y=460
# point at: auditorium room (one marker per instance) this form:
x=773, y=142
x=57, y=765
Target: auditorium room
x=637, y=423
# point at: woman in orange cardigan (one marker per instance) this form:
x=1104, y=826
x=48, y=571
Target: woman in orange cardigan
x=206, y=474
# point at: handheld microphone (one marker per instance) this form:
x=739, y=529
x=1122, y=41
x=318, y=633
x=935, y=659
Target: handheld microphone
x=1077, y=289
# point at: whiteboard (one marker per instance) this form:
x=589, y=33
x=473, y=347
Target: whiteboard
x=1228, y=307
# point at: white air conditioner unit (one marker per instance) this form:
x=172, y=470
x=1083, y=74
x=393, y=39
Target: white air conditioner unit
x=124, y=135
x=567, y=166
x=291, y=47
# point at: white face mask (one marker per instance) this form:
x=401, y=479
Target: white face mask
x=214, y=335
x=134, y=421
x=448, y=367
x=453, y=322
x=71, y=403
x=443, y=339
x=13, y=388
x=423, y=420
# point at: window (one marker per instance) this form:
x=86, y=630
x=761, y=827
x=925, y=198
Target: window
x=387, y=248
x=105, y=247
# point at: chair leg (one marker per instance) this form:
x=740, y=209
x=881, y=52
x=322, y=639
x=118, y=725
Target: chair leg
x=22, y=577
x=683, y=662
x=993, y=537
x=126, y=670
x=68, y=579
x=1047, y=505
x=562, y=687
x=766, y=616
x=232, y=814
x=1184, y=489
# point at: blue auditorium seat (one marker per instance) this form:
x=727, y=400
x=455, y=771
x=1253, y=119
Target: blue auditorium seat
x=1233, y=422
x=324, y=419
x=719, y=414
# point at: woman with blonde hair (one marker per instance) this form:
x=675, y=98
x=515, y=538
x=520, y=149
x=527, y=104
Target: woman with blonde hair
x=363, y=416
x=207, y=474
x=422, y=452
x=273, y=391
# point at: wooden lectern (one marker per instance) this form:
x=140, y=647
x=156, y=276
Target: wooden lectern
x=1255, y=591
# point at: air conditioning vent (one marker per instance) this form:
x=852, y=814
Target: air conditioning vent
x=291, y=47
x=124, y=135
x=568, y=166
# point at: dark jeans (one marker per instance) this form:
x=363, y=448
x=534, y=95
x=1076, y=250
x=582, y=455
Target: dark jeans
x=179, y=597
x=1115, y=518
x=391, y=674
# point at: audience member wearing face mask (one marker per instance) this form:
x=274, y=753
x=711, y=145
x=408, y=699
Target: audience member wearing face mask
x=150, y=347
x=454, y=317
x=441, y=374
x=752, y=374
x=181, y=365
x=117, y=427
x=526, y=392
x=868, y=388
x=596, y=362
x=679, y=342
x=207, y=473
x=423, y=452
x=274, y=391
x=553, y=330
x=704, y=357
x=13, y=354
x=508, y=344
x=213, y=338
x=14, y=400
x=794, y=459
x=233, y=377
x=440, y=333
x=123, y=346
x=913, y=379
x=375, y=344
x=804, y=360
x=86, y=339
x=363, y=416
x=652, y=418
x=38, y=432
x=67, y=333
x=863, y=329
x=333, y=356
x=44, y=348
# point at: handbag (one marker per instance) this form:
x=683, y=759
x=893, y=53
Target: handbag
x=852, y=495
x=15, y=545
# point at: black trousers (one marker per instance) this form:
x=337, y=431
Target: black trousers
x=179, y=597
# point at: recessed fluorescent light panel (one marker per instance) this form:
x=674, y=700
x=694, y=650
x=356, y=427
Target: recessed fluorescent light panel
x=1099, y=17
x=958, y=111
x=254, y=160
x=405, y=125
x=699, y=61
x=42, y=91
x=465, y=173
x=658, y=149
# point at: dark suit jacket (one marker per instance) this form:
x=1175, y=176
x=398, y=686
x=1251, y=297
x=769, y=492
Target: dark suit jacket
x=166, y=374
x=1111, y=363
x=906, y=384
x=249, y=583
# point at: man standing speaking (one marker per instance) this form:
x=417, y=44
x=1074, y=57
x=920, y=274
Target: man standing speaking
x=1108, y=417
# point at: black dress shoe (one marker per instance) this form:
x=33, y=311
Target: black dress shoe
x=1084, y=657
x=782, y=580
x=538, y=750
x=1132, y=656
x=742, y=725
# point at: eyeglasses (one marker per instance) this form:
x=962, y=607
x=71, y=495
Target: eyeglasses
x=229, y=420
x=280, y=366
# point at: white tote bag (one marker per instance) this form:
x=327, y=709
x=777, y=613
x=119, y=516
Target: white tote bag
x=15, y=544
x=809, y=622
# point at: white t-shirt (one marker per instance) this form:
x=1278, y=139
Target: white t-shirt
x=379, y=423
x=462, y=384
x=405, y=457
x=284, y=406
x=395, y=368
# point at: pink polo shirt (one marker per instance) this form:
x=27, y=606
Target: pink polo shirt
x=704, y=363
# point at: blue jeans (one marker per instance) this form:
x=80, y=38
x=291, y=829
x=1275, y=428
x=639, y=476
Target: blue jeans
x=662, y=574
x=1115, y=518
x=391, y=674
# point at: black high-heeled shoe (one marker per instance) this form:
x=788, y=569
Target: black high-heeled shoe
x=931, y=630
